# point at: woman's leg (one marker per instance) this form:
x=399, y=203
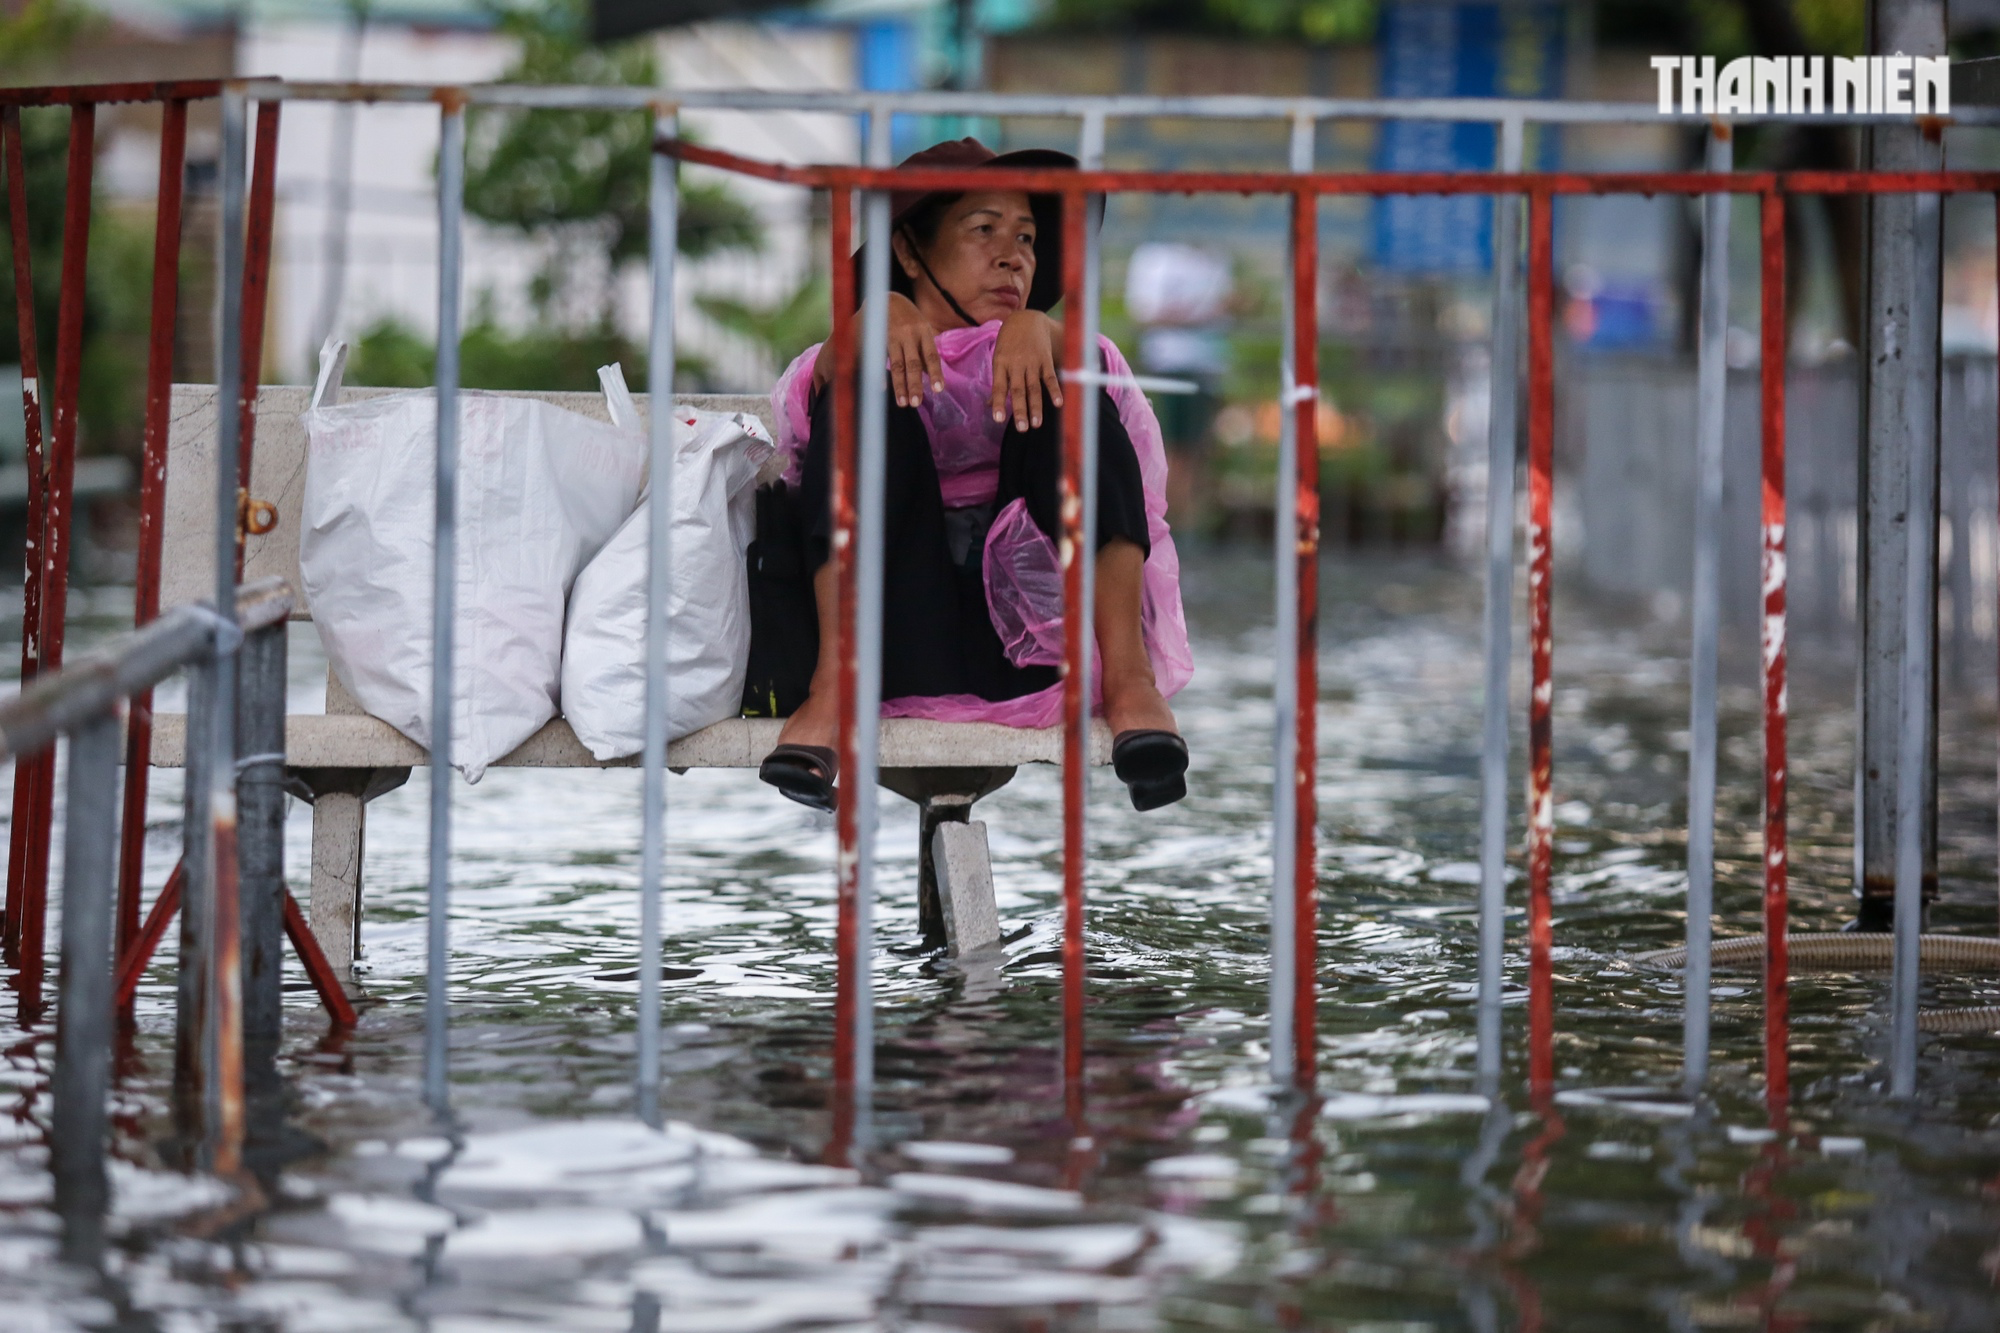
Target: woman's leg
x=816, y=721
x=1132, y=699
x=920, y=594
x=1031, y=468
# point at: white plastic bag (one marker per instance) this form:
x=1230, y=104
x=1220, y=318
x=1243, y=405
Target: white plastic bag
x=540, y=490
x=717, y=456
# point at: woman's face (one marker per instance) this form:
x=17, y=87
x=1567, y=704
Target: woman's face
x=984, y=255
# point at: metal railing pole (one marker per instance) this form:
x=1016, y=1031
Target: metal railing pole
x=57, y=534
x=152, y=502
x=260, y=808
x=1777, y=1026
x=1284, y=680
x=83, y=1020
x=1077, y=639
x=191, y=1000
x=1541, y=690
x=27, y=774
x=444, y=601
x=1304, y=411
x=1499, y=647
x=1914, y=790
x=210, y=910
x=1712, y=385
x=843, y=387
x=1084, y=395
x=870, y=520
x=665, y=239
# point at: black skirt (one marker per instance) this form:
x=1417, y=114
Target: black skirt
x=937, y=635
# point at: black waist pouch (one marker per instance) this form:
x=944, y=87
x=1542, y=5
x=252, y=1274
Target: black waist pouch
x=784, y=618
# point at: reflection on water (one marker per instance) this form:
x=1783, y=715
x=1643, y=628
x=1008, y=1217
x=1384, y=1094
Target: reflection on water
x=1399, y=1198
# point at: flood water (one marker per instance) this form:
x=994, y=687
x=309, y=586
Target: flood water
x=1397, y=1200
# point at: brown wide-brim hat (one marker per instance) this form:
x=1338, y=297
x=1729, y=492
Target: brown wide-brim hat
x=1046, y=289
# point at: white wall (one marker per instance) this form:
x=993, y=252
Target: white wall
x=392, y=245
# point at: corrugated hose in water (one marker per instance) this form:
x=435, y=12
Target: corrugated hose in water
x=1864, y=953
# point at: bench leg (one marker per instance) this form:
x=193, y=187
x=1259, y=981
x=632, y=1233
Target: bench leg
x=340, y=799
x=944, y=796
x=965, y=885
x=335, y=907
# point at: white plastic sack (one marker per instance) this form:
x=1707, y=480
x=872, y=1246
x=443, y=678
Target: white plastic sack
x=540, y=490
x=717, y=456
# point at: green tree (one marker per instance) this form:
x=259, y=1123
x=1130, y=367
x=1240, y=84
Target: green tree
x=580, y=178
x=118, y=278
x=783, y=329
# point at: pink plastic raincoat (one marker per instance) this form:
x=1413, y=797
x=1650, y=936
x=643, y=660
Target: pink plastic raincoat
x=1023, y=578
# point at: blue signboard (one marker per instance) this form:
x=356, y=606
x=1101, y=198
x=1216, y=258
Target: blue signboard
x=1442, y=48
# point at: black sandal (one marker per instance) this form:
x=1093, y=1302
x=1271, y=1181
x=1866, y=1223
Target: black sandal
x=805, y=773
x=1152, y=764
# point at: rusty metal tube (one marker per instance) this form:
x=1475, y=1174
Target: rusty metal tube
x=210, y=913
x=1077, y=643
x=1844, y=951
x=29, y=776
x=152, y=503
x=1541, y=689
x=846, y=958
x=57, y=531
x=1304, y=648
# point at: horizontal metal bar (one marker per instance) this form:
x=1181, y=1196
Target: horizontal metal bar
x=1148, y=383
x=1470, y=110
x=1054, y=180
x=1482, y=110
x=62, y=700
x=99, y=94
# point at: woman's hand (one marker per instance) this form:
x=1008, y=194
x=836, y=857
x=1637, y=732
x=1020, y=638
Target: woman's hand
x=1024, y=364
x=913, y=354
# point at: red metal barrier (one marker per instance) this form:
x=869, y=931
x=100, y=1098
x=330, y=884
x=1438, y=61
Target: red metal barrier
x=1305, y=189
x=57, y=528
x=28, y=773
x=51, y=481
x=1078, y=642
x=1541, y=689
x=152, y=504
x=1305, y=652
x=256, y=293
x=1777, y=1067
x=847, y=819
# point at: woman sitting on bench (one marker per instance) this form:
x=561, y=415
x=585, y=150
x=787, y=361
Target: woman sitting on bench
x=972, y=610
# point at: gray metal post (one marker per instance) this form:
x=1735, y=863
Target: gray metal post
x=1900, y=412
x=665, y=237
x=1916, y=760
x=197, y=854
x=1284, y=673
x=260, y=836
x=83, y=1020
x=1499, y=647
x=210, y=791
x=1712, y=382
x=444, y=601
x=870, y=521
x=1083, y=397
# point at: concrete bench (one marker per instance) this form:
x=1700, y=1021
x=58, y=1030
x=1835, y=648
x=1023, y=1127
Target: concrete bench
x=342, y=759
